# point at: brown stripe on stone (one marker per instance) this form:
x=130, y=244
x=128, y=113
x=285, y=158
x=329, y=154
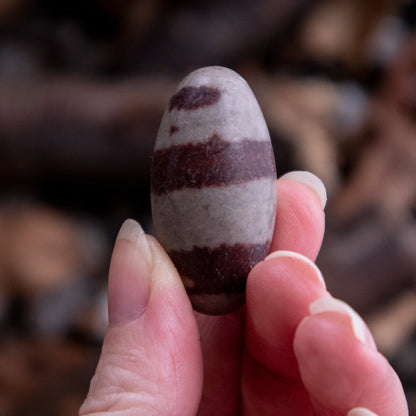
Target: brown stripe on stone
x=223, y=269
x=173, y=129
x=211, y=163
x=191, y=98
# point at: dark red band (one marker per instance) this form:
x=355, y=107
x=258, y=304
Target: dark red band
x=223, y=269
x=211, y=163
x=191, y=98
x=173, y=129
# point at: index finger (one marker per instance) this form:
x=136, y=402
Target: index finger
x=299, y=227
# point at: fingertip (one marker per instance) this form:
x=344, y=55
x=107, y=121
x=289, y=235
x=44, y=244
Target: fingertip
x=329, y=306
x=361, y=411
x=311, y=180
x=300, y=219
x=301, y=261
x=340, y=368
x=129, y=275
x=279, y=291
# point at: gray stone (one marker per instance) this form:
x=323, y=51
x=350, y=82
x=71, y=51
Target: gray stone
x=213, y=187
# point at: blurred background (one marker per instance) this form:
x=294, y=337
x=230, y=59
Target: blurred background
x=83, y=85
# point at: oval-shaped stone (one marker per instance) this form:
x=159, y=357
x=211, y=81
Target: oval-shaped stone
x=213, y=186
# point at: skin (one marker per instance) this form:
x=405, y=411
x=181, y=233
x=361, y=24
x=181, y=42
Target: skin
x=272, y=357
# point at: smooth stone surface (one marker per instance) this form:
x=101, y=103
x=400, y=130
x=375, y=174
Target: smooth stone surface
x=213, y=189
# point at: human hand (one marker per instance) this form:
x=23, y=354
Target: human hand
x=291, y=350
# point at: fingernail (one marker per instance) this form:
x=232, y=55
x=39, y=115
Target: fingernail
x=361, y=411
x=311, y=180
x=329, y=304
x=301, y=258
x=129, y=275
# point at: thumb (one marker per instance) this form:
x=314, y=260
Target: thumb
x=151, y=360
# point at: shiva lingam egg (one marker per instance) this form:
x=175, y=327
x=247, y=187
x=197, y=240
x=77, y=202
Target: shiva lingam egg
x=213, y=187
